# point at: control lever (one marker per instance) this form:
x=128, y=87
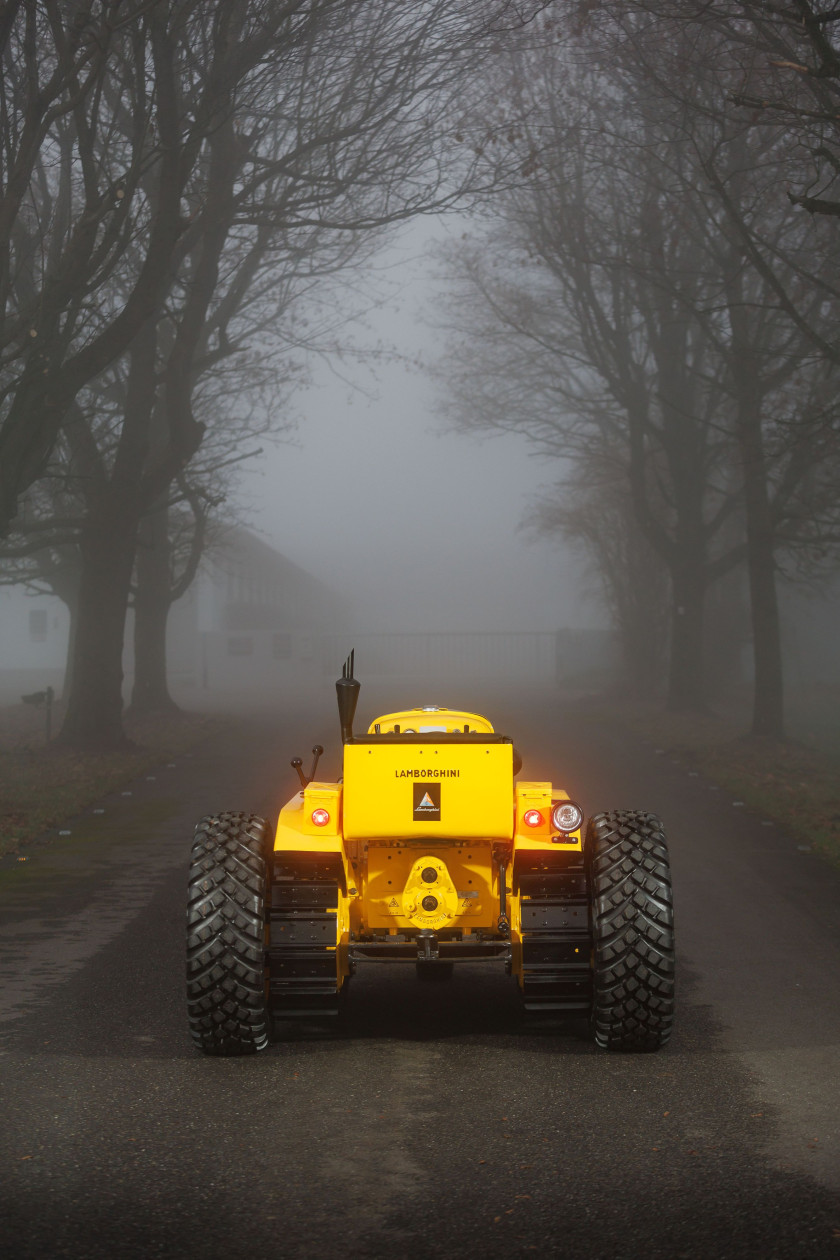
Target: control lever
x=297, y=765
x=317, y=753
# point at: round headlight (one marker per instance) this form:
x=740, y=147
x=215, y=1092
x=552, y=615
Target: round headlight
x=567, y=816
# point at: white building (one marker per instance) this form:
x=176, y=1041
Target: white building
x=251, y=619
x=33, y=642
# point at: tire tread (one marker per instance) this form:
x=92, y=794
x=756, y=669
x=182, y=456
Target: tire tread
x=633, y=931
x=226, y=907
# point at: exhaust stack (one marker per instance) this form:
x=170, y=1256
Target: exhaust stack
x=347, y=689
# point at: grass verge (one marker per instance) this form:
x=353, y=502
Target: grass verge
x=40, y=787
x=794, y=784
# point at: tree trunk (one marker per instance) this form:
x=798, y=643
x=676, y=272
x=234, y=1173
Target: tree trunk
x=60, y=568
x=768, y=695
x=152, y=602
x=686, y=685
x=67, y=685
x=727, y=630
x=94, y=710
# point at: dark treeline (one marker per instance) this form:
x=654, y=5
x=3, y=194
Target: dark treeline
x=178, y=181
x=656, y=303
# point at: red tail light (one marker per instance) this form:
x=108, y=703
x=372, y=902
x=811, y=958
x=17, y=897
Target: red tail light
x=533, y=818
x=320, y=817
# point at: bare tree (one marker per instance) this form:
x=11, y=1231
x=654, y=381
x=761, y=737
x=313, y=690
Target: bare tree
x=778, y=65
x=252, y=134
x=621, y=296
x=592, y=509
x=118, y=118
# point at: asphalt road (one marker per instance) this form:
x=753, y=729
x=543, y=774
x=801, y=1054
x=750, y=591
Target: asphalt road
x=430, y=1122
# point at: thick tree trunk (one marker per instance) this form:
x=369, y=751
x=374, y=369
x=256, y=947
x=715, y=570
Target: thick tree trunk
x=152, y=601
x=94, y=710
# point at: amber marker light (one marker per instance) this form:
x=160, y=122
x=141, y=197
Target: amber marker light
x=533, y=818
x=320, y=817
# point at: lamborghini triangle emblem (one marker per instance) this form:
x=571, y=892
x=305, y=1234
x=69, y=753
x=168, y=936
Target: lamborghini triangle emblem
x=426, y=801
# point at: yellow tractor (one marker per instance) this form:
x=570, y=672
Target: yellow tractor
x=429, y=851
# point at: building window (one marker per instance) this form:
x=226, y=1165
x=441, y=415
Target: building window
x=38, y=625
x=241, y=645
x=282, y=647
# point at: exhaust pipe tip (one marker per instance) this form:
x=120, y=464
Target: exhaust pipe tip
x=347, y=690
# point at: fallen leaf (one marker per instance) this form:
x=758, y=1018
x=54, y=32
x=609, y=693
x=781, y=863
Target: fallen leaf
x=496, y=1220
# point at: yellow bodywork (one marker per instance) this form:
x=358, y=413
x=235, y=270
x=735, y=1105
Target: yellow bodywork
x=389, y=841
x=428, y=790
x=423, y=721
x=464, y=887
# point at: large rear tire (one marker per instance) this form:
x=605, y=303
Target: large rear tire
x=226, y=917
x=632, y=931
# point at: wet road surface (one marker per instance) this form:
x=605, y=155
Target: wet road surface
x=429, y=1121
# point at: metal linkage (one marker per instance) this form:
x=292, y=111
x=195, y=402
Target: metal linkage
x=303, y=912
x=556, y=935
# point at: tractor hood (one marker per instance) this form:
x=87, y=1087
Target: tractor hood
x=429, y=719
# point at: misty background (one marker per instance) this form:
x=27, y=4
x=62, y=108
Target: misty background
x=418, y=526
x=499, y=338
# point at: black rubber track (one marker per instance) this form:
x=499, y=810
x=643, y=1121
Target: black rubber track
x=226, y=915
x=632, y=931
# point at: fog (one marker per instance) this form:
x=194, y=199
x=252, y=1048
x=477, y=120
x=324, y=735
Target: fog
x=417, y=525
x=570, y=320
